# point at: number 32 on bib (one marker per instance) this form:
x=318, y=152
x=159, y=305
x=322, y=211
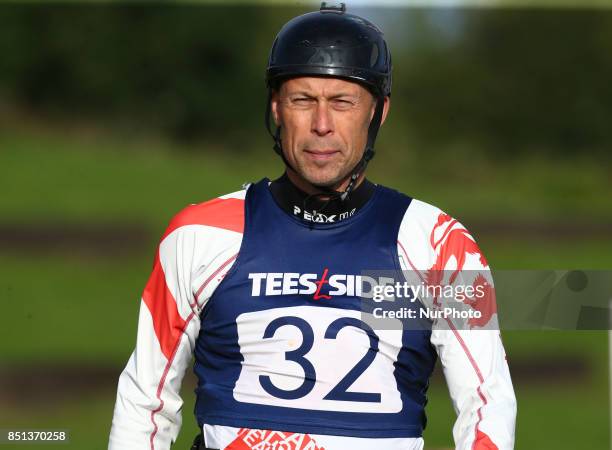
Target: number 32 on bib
x=317, y=358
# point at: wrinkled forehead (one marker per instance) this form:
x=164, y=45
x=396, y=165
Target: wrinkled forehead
x=323, y=86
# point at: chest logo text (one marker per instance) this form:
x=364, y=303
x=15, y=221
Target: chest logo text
x=321, y=286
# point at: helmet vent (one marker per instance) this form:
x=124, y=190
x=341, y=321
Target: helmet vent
x=374, y=55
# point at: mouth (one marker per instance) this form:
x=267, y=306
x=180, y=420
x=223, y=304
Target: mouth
x=321, y=154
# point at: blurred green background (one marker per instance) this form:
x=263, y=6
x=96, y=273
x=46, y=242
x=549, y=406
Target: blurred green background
x=113, y=117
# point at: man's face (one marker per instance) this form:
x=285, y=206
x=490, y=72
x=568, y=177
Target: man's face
x=324, y=126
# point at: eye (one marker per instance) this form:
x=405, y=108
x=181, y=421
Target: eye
x=301, y=100
x=341, y=103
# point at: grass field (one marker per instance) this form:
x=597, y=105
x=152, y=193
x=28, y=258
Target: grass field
x=69, y=307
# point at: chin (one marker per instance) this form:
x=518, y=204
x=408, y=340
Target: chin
x=329, y=175
x=324, y=180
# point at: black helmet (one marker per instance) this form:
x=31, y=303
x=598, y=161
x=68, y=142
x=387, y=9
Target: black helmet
x=332, y=43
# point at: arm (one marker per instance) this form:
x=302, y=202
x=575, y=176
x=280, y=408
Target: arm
x=471, y=351
x=435, y=248
x=481, y=390
x=196, y=251
x=148, y=406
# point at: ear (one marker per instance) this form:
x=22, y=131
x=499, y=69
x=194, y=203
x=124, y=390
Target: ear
x=386, y=107
x=274, y=103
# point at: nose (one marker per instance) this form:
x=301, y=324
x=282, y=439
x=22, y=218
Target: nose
x=322, y=123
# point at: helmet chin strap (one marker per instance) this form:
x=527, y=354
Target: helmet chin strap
x=356, y=172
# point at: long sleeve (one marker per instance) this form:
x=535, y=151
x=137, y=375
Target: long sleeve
x=470, y=350
x=196, y=251
x=148, y=406
x=481, y=390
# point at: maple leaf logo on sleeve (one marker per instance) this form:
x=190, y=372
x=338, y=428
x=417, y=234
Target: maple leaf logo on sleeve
x=453, y=244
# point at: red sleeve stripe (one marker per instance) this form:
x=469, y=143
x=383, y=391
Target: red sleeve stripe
x=410, y=262
x=196, y=302
x=225, y=213
x=167, y=322
x=481, y=440
x=162, y=381
x=168, y=325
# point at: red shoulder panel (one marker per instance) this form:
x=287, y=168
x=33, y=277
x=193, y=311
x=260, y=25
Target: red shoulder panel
x=226, y=213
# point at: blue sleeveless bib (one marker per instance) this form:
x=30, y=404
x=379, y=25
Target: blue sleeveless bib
x=282, y=345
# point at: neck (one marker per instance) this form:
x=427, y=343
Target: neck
x=302, y=184
x=313, y=208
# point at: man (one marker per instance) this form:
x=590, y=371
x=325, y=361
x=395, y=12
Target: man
x=260, y=285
